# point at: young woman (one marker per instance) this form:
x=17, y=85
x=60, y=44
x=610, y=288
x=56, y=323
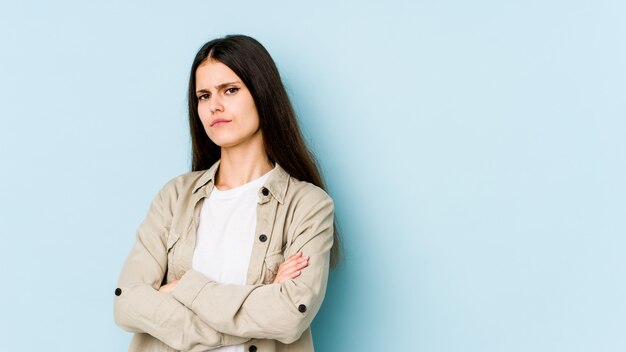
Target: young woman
x=235, y=254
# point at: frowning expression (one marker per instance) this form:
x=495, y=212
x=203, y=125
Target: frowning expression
x=226, y=106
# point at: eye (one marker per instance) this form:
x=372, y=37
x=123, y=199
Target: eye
x=203, y=97
x=232, y=90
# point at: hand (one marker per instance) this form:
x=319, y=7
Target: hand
x=169, y=287
x=290, y=268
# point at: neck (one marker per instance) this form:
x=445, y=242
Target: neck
x=241, y=164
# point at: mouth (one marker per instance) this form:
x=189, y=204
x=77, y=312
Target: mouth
x=219, y=122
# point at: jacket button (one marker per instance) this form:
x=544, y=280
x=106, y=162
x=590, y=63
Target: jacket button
x=262, y=238
x=265, y=191
x=118, y=291
x=252, y=348
x=302, y=308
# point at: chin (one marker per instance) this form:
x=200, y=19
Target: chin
x=224, y=142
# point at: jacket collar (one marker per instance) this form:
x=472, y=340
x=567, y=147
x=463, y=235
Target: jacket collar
x=276, y=183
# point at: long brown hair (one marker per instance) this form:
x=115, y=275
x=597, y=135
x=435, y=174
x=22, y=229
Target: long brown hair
x=281, y=134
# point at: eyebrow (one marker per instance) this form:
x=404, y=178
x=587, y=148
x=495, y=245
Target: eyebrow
x=218, y=87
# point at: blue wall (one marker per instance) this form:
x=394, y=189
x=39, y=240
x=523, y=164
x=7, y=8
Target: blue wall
x=475, y=151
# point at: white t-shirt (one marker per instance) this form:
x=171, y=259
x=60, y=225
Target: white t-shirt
x=225, y=236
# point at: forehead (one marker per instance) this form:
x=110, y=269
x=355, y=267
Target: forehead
x=212, y=72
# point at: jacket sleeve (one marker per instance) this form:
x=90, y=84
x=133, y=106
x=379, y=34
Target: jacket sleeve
x=274, y=311
x=139, y=307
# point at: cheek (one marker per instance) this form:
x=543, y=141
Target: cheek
x=202, y=108
x=252, y=114
x=204, y=113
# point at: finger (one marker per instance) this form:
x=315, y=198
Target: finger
x=289, y=263
x=296, y=274
x=289, y=273
x=291, y=276
x=303, y=264
x=293, y=258
x=291, y=266
x=298, y=254
x=287, y=277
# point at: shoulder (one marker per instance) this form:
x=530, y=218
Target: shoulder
x=302, y=195
x=307, y=206
x=181, y=185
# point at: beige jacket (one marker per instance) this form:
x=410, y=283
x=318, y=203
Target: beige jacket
x=202, y=314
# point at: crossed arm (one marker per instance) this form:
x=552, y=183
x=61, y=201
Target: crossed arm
x=195, y=314
x=289, y=269
x=139, y=307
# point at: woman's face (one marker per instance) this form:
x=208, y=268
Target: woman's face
x=226, y=106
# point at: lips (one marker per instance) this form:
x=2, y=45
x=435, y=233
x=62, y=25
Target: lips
x=219, y=122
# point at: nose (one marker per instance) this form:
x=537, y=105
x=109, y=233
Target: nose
x=215, y=104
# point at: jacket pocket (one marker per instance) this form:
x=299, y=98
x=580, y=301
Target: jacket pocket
x=272, y=262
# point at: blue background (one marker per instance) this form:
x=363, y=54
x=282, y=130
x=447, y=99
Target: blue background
x=474, y=149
